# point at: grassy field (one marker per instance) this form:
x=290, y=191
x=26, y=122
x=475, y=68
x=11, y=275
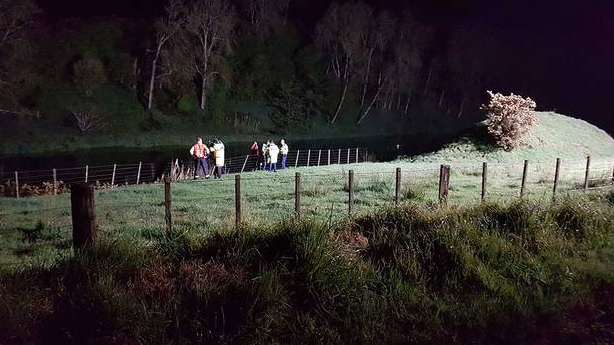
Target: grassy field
x=39, y=228
x=502, y=271
x=522, y=273
x=554, y=136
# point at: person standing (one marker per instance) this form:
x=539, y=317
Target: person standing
x=273, y=156
x=284, y=154
x=200, y=152
x=255, y=150
x=218, y=149
x=263, y=157
x=255, y=153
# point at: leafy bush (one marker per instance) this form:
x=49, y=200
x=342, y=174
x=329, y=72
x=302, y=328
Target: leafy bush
x=509, y=118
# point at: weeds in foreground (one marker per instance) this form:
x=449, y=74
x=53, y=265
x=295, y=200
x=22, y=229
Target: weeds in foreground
x=487, y=274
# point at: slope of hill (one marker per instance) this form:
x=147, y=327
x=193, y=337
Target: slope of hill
x=554, y=136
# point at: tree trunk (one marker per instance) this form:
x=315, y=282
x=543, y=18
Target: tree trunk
x=364, y=89
x=286, y=8
x=411, y=90
x=343, y=93
x=379, y=89
x=152, y=80
x=462, y=106
x=428, y=81
x=443, y=92
x=203, y=93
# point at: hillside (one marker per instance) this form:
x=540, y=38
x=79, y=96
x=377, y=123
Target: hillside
x=554, y=136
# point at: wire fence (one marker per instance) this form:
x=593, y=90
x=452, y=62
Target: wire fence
x=38, y=230
x=56, y=181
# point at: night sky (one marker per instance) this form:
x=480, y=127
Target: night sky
x=571, y=43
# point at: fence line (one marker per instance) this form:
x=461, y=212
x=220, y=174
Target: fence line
x=258, y=197
x=32, y=182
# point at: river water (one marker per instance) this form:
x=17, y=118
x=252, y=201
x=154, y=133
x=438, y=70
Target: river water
x=380, y=149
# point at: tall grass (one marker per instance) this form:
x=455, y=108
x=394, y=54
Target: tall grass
x=486, y=274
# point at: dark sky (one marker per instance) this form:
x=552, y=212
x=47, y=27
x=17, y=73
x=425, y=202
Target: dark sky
x=572, y=40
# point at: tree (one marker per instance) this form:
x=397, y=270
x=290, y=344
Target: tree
x=210, y=28
x=16, y=16
x=89, y=74
x=509, y=118
x=470, y=56
x=408, y=50
x=339, y=36
x=166, y=28
x=381, y=33
x=265, y=15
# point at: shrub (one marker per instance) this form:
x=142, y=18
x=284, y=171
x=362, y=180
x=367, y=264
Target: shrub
x=509, y=118
x=87, y=119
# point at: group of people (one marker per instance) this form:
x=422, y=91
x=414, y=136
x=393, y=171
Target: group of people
x=201, y=153
x=268, y=155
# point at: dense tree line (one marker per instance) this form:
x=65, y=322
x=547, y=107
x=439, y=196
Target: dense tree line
x=359, y=62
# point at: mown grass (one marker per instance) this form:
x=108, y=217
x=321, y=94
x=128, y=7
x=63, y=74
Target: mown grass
x=137, y=212
x=412, y=274
x=554, y=136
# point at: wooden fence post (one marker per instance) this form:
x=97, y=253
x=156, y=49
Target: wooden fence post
x=328, y=157
x=319, y=155
x=484, y=179
x=87, y=171
x=587, y=173
x=308, y=156
x=244, y=163
x=113, y=176
x=238, y=201
x=351, y=191
x=444, y=183
x=138, y=174
x=16, y=184
x=397, y=196
x=339, y=157
x=152, y=170
x=296, y=161
x=297, y=194
x=84, y=229
x=357, y=155
x=556, y=178
x=523, y=185
x=55, y=182
x=168, y=215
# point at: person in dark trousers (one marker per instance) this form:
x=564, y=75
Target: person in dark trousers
x=218, y=149
x=263, y=157
x=273, y=155
x=256, y=153
x=200, y=152
x=284, y=154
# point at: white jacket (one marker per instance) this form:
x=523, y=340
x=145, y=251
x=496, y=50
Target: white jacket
x=219, y=154
x=273, y=152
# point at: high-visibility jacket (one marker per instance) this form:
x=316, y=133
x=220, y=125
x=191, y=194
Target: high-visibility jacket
x=273, y=153
x=284, y=149
x=218, y=148
x=199, y=150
